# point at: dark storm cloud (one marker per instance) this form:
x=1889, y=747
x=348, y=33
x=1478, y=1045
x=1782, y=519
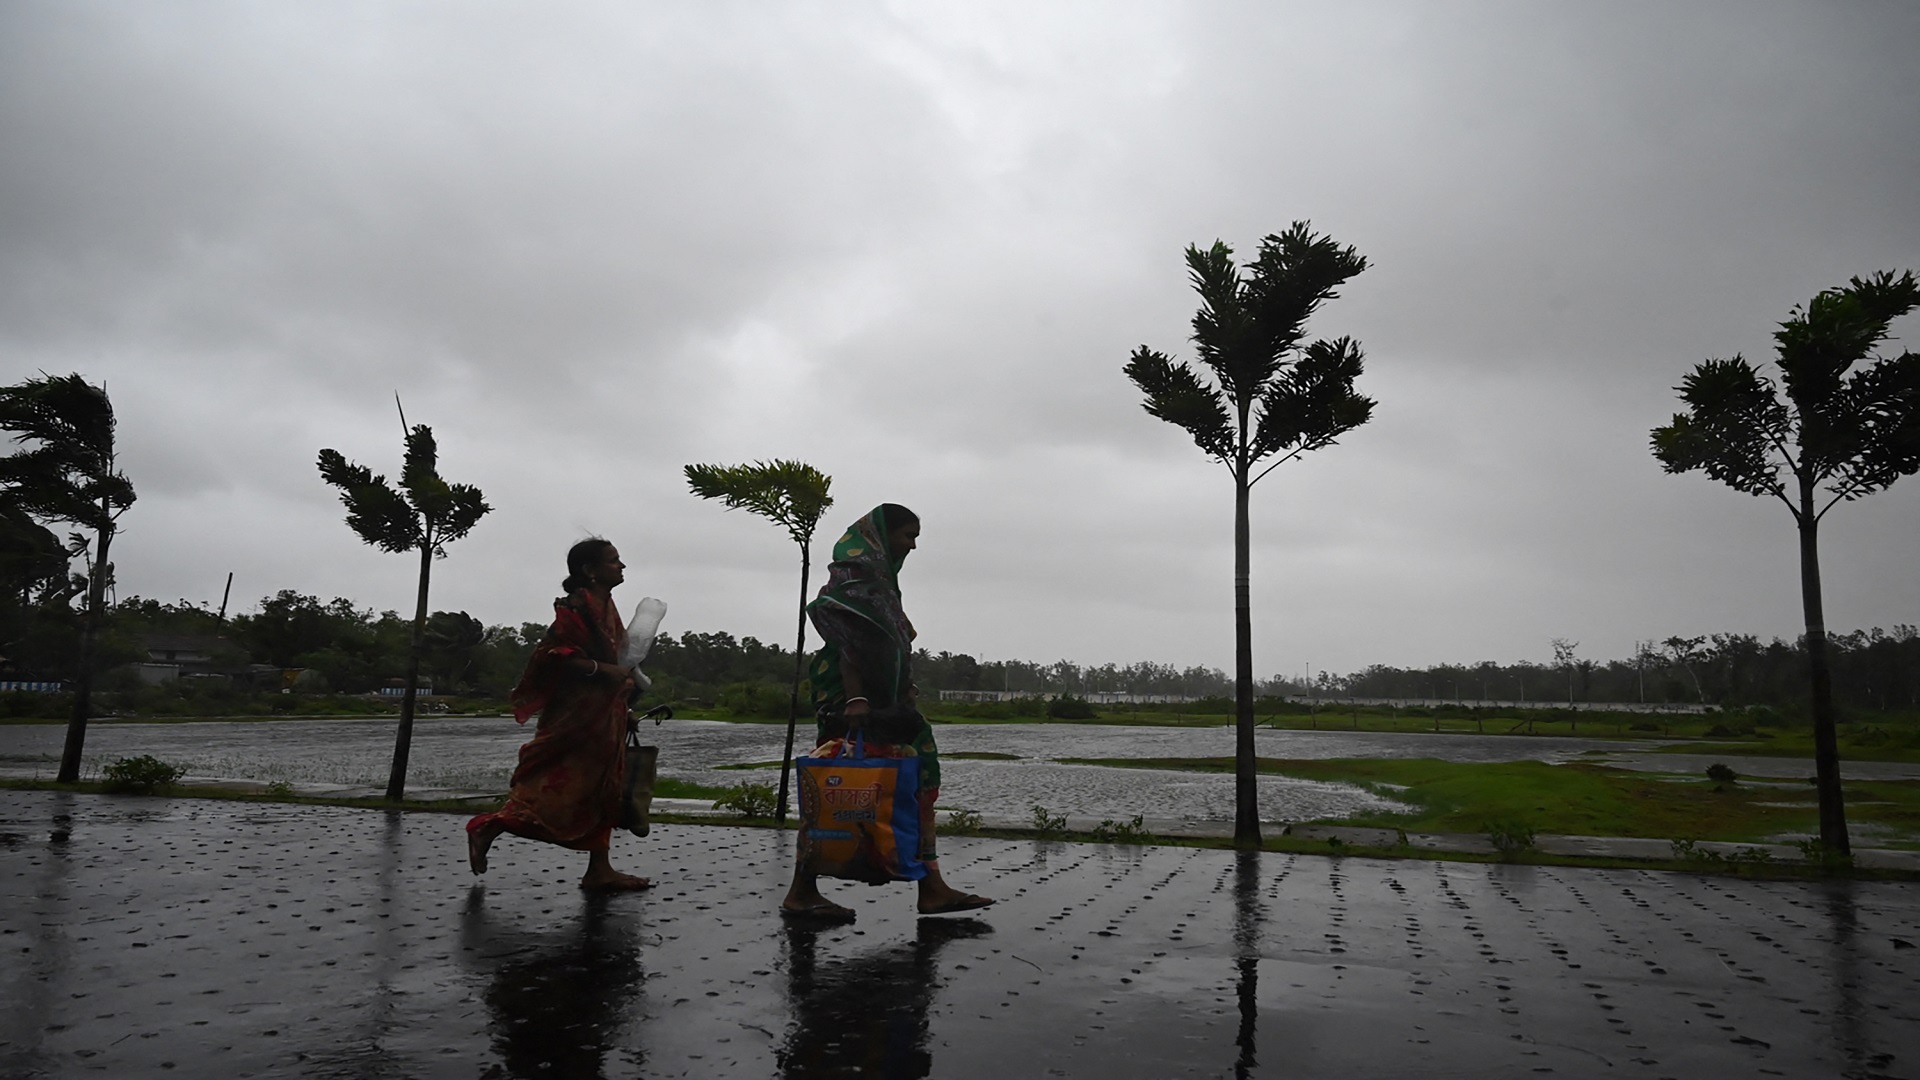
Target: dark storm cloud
x=592, y=244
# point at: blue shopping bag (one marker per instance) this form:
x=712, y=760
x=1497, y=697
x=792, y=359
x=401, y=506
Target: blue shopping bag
x=860, y=812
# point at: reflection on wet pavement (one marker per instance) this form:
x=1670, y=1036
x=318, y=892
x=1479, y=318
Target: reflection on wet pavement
x=559, y=1001
x=865, y=1015
x=152, y=937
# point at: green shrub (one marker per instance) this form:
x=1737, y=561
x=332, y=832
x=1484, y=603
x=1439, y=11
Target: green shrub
x=280, y=789
x=1130, y=832
x=762, y=701
x=1816, y=854
x=748, y=800
x=1068, y=707
x=1048, y=824
x=1690, y=851
x=141, y=775
x=963, y=820
x=1510, y=838
x=1721, y=774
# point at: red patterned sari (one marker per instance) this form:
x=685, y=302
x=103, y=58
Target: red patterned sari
x=566, y=789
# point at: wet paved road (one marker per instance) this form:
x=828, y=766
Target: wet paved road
x=158, y=937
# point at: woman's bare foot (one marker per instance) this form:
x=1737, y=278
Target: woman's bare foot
x=478, y=841
x=804, y=899
x=602, y=877
x=950, y=901
x=611, y=880
x=822, y=910
x=939, y=898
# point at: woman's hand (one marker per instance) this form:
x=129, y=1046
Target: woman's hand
x=857, y=706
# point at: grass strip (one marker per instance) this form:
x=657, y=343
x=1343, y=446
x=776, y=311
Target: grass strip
x=1575, y=799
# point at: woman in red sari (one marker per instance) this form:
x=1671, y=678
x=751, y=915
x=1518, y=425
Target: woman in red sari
x=567, y=787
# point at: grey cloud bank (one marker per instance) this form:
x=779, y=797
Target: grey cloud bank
x=912, y=245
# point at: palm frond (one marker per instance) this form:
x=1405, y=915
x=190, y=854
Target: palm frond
x=1296, y=272
x=376, y=512
x=791, y=494
x=1734, y=426
x=1313, y=402
x=1175, y=394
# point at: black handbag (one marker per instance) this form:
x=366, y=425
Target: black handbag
x=643, y=767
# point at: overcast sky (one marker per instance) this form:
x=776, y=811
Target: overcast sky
x=913, y=245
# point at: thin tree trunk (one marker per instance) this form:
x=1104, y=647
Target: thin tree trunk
x=793, y=692
x=403, y=739
x=83, y=689
x=1246, y=802
x=1826, y=745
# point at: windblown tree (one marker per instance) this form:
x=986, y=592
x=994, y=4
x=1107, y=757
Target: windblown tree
x=66, y=471
x=453, y=643
x=792, y=495
x=424, y=515
x=1272, y=397
x=1563, y=657
x=1834, y=438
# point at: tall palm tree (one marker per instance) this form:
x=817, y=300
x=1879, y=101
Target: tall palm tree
x=1248, y=333
x=69, y=472
x=792, y=495
x=1836, y=438
x=424, y=515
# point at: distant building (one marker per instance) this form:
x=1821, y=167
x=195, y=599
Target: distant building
x=1097, y=697
x=193, y=656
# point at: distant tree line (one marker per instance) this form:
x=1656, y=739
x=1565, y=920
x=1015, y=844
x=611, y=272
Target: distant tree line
x=342, y=648
x=1871, y=669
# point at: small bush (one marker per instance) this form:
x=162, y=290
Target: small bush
x=1068, y=707
x=748, y=800
x=1510, y=838
x=1047, y=824
x=1691, y=851
x=762, y=701
x=280, y=789
x=1816, y=854
x=141, y=775
x=1130, y=832
x=963, y=820
x=1721, y=774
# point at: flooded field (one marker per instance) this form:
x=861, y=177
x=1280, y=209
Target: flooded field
x=465, y=754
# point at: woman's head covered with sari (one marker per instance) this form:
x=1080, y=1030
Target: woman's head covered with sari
x=859, y=613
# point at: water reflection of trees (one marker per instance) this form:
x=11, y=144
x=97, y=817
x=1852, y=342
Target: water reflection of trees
x=865, y=1015
x=1851, y=1015
x=557, y=1001
x=1248, y=914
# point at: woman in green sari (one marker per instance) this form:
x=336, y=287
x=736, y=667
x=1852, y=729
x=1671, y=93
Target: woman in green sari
x=863, y=669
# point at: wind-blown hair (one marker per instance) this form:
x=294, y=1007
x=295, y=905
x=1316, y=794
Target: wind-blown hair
x=580, y=559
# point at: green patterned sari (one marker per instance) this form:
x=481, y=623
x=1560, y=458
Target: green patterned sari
x=858, y=614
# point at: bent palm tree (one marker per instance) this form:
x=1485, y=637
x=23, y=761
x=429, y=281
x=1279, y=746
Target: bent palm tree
x=70, y=473
x=425, y=515
x=1247, y=332
x=1837, y=437
x=792, y=495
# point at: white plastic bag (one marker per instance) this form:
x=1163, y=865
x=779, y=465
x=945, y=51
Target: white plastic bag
x=640, y=633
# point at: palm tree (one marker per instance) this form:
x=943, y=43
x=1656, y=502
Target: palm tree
x=792, y=495
x=1836, y=437
x=425, y=515
x=69, y=474
x=1248, y=333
